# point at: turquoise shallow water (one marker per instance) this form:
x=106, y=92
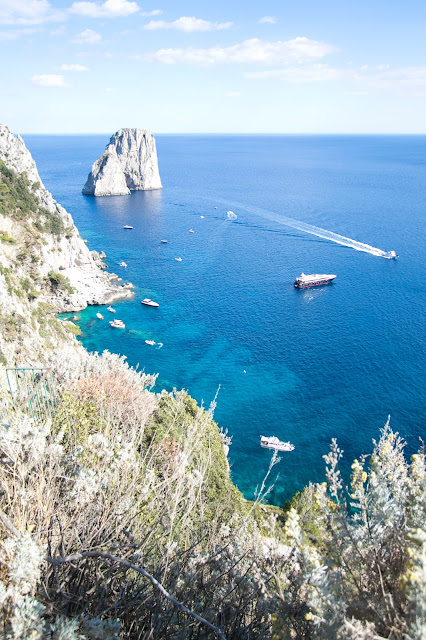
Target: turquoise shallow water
x=305, y=366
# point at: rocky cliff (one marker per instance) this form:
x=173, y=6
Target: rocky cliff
x=129, y=163
x=45, y=266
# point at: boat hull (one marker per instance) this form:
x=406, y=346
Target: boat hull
x=303, y=285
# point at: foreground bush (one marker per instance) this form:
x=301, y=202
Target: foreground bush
x=119, y=520
x=364, y=576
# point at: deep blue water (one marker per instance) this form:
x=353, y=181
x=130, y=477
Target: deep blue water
x=305, y=366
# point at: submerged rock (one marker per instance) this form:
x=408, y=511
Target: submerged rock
x=129, y=163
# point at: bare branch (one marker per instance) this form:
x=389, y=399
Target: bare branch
x=103, y=554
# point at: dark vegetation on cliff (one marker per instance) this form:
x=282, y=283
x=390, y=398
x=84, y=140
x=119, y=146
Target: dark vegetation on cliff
x=18, y=200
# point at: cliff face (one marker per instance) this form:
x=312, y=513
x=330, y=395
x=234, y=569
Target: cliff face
x=129, y=163
x=45, y=266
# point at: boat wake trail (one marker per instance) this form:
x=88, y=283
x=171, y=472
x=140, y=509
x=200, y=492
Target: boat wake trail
x=313, y=230
x=334, y=237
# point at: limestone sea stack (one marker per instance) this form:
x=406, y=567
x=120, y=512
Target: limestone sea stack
x=129, y=163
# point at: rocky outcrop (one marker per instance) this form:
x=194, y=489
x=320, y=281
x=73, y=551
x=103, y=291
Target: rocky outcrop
x=129, y=163
x=45, y=265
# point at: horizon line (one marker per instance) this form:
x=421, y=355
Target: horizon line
x=230, y=133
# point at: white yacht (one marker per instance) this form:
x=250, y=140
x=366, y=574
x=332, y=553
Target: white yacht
x=150, y=303
x=272, y=442
x=118, y=324
x=99, y=316
x=111, y=309
x=390, y=255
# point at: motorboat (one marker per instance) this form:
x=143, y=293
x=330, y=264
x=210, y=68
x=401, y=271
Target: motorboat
x=117, y=324
x=165, y=241
x=127, y=226
x=111, y=309
x=100, y=316
x=123, y=264
x=178, y=259
x=150, y=303
x=390, y=255
x=202, y=217
x=313, y=280
x=272, y=442
x=151, y=342
x=191, y=231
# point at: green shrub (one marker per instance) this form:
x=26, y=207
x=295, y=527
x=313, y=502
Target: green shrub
x=74, y=329
x=5, y=237
x=58, y=281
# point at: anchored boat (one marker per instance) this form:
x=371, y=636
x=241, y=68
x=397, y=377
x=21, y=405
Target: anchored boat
x=272, y=442
x=150, y=303
x=118, y=324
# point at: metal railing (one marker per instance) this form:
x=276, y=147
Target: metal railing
x=27, y=390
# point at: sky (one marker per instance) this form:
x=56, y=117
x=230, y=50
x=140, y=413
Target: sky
x=235, y=66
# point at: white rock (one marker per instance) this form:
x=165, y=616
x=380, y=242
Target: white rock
x=129, y=163
x=69, y=255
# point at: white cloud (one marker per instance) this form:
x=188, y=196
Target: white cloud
x=58, y=32
x=88, y=36
x=355, y=93
x=267, y=20
x=148, y=14
x=258, y=51
x=108, y=9
x=385, y=78
x=29, y=12
x=49, y=80
x=108, y=89
x=233, y=94
x=73, y=67
x=14, y=34
x=188, y=24
x=299, y=74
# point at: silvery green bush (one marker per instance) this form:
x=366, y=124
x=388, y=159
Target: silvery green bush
x=121, y=521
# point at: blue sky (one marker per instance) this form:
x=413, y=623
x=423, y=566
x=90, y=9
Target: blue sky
x=237, y=67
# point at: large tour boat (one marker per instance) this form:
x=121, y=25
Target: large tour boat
x=313, y=280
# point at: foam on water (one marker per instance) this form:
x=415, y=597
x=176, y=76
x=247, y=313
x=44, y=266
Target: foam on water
x=307, y=228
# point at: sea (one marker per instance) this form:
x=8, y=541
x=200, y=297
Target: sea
x=307, y=365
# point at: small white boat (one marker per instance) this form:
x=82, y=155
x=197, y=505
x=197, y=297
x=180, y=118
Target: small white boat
x=202, y=217
x=272, y=442
x=390, y=255
x=191, y=231
x=151, y=342
x=127, y=226
x=150, y=303
x=178, y=259
x=111, y=309
x=123, y=264
x=100, y=316
x=118, y=324
x=165, y=241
